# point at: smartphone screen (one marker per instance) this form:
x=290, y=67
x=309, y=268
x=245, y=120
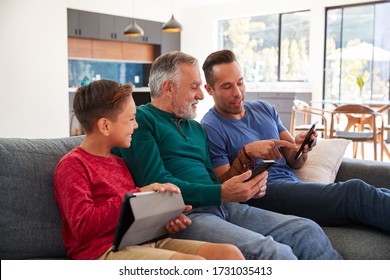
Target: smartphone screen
x=261, y=167
x=307, y=141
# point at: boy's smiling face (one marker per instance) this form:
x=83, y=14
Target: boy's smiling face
x=123, y=127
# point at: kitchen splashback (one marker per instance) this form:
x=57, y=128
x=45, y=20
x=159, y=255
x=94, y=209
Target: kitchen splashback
x=82, y=71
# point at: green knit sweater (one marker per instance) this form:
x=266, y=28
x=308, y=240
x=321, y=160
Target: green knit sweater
x=167, y=149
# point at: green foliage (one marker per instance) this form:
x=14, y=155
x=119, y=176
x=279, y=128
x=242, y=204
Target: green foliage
x=360, y=82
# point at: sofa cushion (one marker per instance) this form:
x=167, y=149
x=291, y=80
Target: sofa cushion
x=323, y=161
x=358, y=242
x=30, y=224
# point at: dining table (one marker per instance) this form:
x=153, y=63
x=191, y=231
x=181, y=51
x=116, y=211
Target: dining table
x=380, y=106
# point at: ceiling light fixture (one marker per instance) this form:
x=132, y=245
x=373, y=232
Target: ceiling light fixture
x=133, y=30
x=172, y=25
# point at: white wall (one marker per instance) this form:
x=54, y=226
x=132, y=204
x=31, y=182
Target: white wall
x=33, y=68
x=33, y=51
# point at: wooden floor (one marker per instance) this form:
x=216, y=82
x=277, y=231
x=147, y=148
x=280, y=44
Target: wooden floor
x=368, y=152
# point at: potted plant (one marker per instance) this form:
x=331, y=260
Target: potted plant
x=361, y=80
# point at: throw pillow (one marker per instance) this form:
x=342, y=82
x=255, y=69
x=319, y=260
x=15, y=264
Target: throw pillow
x=324, y=161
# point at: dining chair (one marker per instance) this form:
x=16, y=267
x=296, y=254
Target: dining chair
x=301, y=111
x=386, y=128
x=358, y=123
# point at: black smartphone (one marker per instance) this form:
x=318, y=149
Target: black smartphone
x=307, y=141
x=261, y=167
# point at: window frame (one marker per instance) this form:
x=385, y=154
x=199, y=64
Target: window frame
x=327, y=9
x=279, y=37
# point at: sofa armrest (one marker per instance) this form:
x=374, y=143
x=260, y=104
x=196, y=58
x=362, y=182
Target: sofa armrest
x=376, y=173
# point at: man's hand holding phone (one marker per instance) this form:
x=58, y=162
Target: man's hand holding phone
x=261, y=167
x=240, y=188
x=309, y=141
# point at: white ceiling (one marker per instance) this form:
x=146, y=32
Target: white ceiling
x=149, y=9
x=189, y=4
x=200, y=3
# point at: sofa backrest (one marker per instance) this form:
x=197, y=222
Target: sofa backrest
x=376, y=173
x=30, y=224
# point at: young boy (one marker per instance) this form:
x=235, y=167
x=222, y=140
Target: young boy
x=90, y=184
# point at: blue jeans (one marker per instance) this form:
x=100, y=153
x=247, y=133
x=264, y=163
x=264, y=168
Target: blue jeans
x=258, y=233
x=353, y=201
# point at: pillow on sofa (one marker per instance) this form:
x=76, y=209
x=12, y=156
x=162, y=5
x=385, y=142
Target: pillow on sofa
x=324, y=161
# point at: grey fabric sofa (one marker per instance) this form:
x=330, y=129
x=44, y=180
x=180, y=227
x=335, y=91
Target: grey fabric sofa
x=30, y=225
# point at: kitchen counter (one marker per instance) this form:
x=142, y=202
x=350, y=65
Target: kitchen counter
x=141, y=89
x=280, y=87
x=135, y=89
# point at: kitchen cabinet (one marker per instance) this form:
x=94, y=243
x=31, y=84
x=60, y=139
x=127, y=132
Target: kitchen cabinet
x=109, y=49
x=112, y=27
x=141, y=95
x=88, y=25
x=170, y=42
x=79, y=47
x=83, y=24
x=108, y=27
x=152, y=32
x=142, y=24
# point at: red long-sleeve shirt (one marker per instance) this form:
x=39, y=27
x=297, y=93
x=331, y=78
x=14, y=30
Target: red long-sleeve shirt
x=89, y=190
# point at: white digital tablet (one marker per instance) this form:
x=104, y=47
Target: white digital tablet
x=143, y=217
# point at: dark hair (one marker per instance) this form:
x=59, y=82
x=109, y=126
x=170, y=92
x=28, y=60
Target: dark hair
x=216, y=58
x=99, y=99
x=166, y=67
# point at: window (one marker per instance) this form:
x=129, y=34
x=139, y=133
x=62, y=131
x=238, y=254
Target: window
x=269, y=48
x=357, y=54
x=294, y=47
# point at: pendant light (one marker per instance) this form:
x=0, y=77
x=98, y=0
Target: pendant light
x=133, y=29
x=172, y=25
